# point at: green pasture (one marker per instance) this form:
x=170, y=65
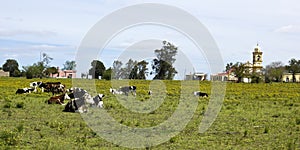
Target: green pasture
x=253, y=116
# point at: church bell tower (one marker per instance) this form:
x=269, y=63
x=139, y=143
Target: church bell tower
x=257, y=60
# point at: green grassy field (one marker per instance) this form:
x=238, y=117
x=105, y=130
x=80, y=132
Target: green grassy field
x=253, y=116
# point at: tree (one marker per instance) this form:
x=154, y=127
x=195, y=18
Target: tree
x=163, y=64
x=142, y=69
x=239, y=71
x=69, y=65
x=12, y=67
x=46, y=59
x=293, y=67
x=126, y=72
x=134, y=73
x=107, y=74
x=229, y=66
x=117, y=70
x=274, y=71
x=34, y=71
x=97, y=69
x=51, y=70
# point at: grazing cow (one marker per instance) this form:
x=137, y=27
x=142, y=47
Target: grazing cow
x=127, y=89
x=54, y=87
x=150, y=92
x=24, y=90
x=58, y=99
x=198, y=93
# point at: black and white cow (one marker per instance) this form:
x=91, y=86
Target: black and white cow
x=114, y=91
x=35, y=85
x=127, y=89
x=201, y=94
x=81, y=100
x=54, y=87
x=24, y=90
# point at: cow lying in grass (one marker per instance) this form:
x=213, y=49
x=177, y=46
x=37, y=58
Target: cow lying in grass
x=124, y=90
x=58, y=99
x=81, y=100
x=201, y=94
x=24, y=90
x=114, y=91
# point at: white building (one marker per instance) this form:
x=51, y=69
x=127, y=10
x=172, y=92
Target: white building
x=288, y=77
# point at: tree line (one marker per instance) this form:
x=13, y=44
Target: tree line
x=37, y=70
x=162, y=67
x=271, y=73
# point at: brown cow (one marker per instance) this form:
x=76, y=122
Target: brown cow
x=58, y=99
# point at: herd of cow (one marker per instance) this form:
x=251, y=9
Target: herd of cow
x=79, y=99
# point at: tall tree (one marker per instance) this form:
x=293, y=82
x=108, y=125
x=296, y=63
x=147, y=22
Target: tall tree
x=274, y=71
x=69, y=65
x=117, y=70
x=97, y=69
x=163, y=64
x=134, y=73
x=128, y=69
x=142, y=69
x=12, y=67
x=46, y=59
x=293, y=67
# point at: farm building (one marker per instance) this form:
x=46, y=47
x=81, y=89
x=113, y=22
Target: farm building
x=288, y=77
x=196, y=76
x=4, y=74
x=64, y=74
x=224, y=76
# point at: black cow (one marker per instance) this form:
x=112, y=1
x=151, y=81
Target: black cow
x=201, y=94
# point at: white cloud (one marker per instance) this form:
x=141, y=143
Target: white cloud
x=289, y=29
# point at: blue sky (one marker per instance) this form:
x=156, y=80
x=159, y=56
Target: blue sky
x=55, y=27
